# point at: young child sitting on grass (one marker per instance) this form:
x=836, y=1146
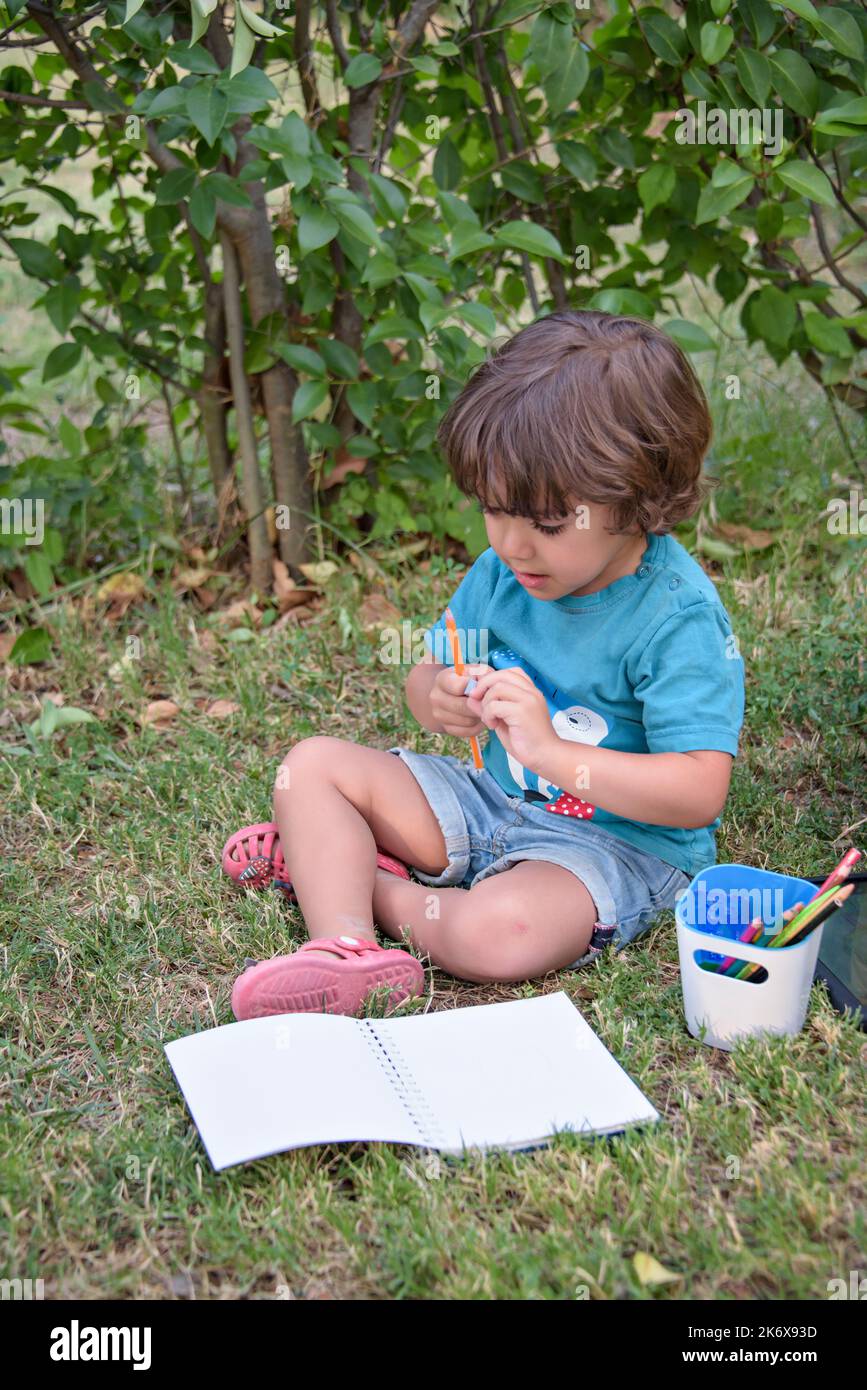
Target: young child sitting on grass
x=608, y=678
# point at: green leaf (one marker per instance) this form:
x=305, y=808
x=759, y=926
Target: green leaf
x=391, y=326
x=31, y=647
x=689, y=336
x=358, y=223
x=71, y=714
x=228, y=189
x=773, y=315
x=201, y=11
x=548, y=37
x=260, y=26
x=193, y=59
x=754, y=72
x=174, y=186
x=308, y=399
x=37, y=259
x=389, y=198
x=716, y=40
x=448, y=167
x=840, y=120
x=361, y=397
x=666, y=38
x=795, y=81
x=339, y=358
x=132, y=8
x=169, y=101
x=622, y=301
x=61, y=360
x=808, y=181
x=715, y=201
x=207, y=106
x=243, y=43
x=203, y=210
x=524, y=180
x=38, y=570
x=769, y=221
x=302, y=358
x=842, y=32
x=529, y=237
x=828, y=335
x=61, y=302
x=716, y=549
x=363, y=68
x=478, y=316
x=656, y=185
x=466, y=238
x=316, y=227
x=251, y=90
x=802, y=8
x=616, y=147
x=361, y=446
x=578, y=160
x=426, y=64
x=565, y=82
x=760, y=19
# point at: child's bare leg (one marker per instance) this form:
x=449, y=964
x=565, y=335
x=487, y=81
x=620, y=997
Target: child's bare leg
x=515, y=925
x=334, y=801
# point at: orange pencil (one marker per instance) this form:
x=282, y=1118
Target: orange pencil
x=458, y=662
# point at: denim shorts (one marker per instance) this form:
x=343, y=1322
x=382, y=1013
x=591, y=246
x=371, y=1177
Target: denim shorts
x=486, y=831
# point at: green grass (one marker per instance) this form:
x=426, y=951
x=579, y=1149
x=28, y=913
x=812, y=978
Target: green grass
x=121, y=934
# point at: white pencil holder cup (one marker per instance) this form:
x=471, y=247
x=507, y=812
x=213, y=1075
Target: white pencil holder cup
x=710, y=914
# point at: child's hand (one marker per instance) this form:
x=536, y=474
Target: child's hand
x=517, y=712
x=448, y=704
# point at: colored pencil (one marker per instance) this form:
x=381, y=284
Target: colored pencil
x=843, y=870
x=756, y=924
x=807, y=921
x=746, y=969
x=458, y=662
x=817, y=919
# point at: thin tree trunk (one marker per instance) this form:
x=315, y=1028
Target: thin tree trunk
x=251, y=478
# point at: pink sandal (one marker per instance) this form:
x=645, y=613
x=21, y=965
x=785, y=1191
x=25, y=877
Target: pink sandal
x=301, y=983
x=253, y=857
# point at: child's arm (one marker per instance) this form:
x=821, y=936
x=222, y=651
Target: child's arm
x=435, y=697
x=683, y=789
x=686, y=789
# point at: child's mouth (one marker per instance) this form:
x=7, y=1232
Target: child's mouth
x=532, y=581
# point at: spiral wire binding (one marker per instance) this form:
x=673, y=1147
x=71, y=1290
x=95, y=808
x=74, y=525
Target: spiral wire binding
x=412, y=1097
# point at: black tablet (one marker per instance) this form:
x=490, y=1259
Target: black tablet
x=842, y=961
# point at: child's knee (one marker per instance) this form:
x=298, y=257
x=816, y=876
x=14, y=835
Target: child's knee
x=310, y=756
x=490, y=937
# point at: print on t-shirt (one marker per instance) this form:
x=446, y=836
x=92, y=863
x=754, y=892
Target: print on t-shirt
x=576, y=723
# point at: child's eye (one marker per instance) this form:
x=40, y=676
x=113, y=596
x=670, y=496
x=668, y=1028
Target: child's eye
x=549, y=530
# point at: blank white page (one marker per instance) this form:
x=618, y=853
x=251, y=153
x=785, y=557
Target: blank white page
x=269, y=1084
x=507, y=1075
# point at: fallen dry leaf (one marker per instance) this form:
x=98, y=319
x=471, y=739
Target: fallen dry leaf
x=287, y=592
x=222, y=709
x=120, y=591
x=239, y=610
x=160, y=713
x=750, y=539
x=651, y=1272
x=344, y=464
x=189, y=578
x=319, y=572
x=376, y=611
x=7, y=642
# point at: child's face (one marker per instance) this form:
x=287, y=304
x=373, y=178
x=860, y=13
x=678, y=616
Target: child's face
x=571, y=554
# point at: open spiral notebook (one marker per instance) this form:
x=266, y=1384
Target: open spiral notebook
x=490, y=1076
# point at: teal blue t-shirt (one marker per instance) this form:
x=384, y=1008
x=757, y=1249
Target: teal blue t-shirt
x=648, y=664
